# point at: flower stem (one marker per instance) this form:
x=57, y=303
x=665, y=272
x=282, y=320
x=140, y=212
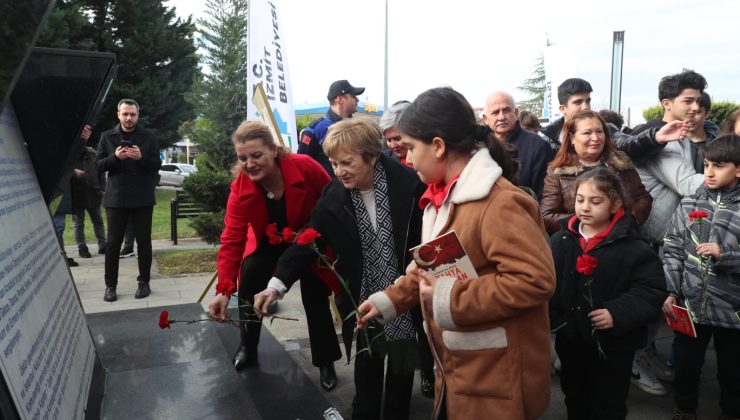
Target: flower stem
x=345, y=286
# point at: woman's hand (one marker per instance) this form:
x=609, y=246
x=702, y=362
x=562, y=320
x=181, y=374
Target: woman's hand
x=369, y=310
x=601, y=319
x=673, y=131
x=668, y=307
x=217, y=308
x=263, y=299
x=426, y=286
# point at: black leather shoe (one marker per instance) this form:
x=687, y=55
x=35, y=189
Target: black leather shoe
x=110, y=294
x=243, y=359
x=328, y=377
x=72, y=263
x=84, y=253
x=143, y=290
x=427, y=385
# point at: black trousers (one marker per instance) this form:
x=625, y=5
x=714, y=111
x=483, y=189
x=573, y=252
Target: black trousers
x=426, y=360
x=117, y=220
x=689, y=359
x=257, y=269
x=593, y=388
x=369, y=381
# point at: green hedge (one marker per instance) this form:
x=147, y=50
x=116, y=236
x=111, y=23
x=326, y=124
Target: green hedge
x=210, y=189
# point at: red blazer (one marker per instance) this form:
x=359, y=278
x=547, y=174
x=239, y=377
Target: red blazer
x=247, y=215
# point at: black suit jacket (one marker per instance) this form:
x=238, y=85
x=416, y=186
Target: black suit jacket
x=130, y=182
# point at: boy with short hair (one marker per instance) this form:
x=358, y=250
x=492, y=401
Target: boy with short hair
x=574, y=95
x=702, y=266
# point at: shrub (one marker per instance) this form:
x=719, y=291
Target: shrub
x=653, y=113
x=302, y=122
x=209, y=226
x=721, y=110
x=210, y=189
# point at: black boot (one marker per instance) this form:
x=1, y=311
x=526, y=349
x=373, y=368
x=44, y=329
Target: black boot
x=246, y=354
x=243, y=358
x=328, y=377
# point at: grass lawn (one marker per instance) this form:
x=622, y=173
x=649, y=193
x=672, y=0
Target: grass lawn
x=160, y=222
x=186, y=261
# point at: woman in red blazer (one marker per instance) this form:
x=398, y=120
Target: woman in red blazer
x=272, y=186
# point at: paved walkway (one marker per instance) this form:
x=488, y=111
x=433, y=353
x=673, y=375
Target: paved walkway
x=172, y=290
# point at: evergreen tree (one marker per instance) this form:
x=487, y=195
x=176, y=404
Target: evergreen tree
x=155, y=53
x=219, y=94
x=66, y=27
x=535, y=87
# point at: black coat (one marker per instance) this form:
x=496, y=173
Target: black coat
x=628, y=281
x=130, y=182
x=334, y=218
x=87, y=191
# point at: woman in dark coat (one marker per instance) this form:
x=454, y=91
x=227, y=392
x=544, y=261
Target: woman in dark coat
x=369, y=216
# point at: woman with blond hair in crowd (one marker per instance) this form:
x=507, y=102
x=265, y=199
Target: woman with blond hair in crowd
x=369, y=216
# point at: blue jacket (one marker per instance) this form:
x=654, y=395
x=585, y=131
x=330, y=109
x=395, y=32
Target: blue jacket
x=312, y=140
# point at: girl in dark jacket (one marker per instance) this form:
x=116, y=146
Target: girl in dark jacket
x=610, y=284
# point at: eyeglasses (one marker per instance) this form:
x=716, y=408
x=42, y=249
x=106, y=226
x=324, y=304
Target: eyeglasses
x=394, y=138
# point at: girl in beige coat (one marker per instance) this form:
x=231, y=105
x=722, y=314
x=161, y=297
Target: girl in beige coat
x=489, y=335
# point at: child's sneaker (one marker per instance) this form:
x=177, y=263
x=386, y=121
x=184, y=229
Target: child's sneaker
x=643, y=376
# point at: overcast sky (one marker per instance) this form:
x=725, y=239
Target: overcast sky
x=478, y=46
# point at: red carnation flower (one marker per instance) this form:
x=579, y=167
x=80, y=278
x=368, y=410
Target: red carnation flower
x=307, y=236
x=288, y=235
x=272, y=234
x=586, y=264
x=164, y=319
x=697, y=214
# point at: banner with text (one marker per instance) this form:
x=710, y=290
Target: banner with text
x=267, y=63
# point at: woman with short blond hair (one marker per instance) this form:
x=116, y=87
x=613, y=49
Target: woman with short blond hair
x=369, y=216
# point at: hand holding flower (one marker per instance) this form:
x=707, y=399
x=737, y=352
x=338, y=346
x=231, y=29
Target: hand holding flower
x=370, y=312
x=709, y=249
x=601, y=319
x=263, y=299
x=217, y=308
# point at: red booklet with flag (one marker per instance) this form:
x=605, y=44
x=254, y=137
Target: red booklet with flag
x=444, y=256
x=683, y=322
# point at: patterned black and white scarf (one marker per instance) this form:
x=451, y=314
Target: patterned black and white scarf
x=380, y=266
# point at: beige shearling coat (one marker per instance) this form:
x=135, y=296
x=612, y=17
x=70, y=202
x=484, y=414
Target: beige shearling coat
x=490, y=335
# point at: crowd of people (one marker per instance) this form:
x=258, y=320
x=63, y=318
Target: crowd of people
x=584, y=232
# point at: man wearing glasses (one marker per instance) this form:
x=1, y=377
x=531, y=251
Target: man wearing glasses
x=343, y=100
